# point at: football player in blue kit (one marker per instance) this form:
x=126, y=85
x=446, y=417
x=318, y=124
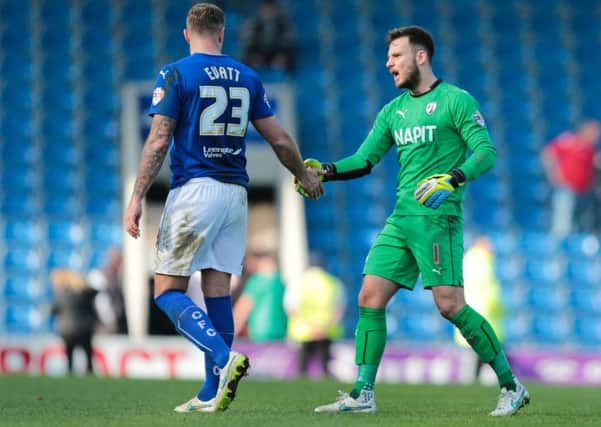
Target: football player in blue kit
x=201, y=107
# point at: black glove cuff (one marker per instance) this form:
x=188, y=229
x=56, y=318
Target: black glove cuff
x=457, y=177
x=329, y=171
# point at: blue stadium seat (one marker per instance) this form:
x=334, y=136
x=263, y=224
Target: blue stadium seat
x=20, y=96
x=98, y=208
x=418, y=300
x=538, y=244
x=544, y=272
x=324, y=242
x=103, y=152
x=504, y=243
x=22, y=287
x=581, y=246
x=104, y=101
x=588, y=330
x=549, y=300
x=72, y=259
x=65, y=181
x=57, y=73
x=22, y=259
x=17, y=129
x=23, y=232
x=61, y=155
x=105, y=234
x=425, y=327
x=63, y=129
x=19, y=180
x=19, y=153
x=27, y=318
x=94, y=128
x=510, y=267
x=65, y=233
x=25, y=206
x=551, y=328
x=62, y=206
x=583, y=272
x=324, y=217
x=102, y=183
x=517, y=328
x=585, y=300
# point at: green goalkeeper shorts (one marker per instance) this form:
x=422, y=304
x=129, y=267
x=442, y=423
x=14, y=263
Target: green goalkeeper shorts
x=411, y=244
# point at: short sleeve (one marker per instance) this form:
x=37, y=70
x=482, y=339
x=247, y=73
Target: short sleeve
x=261, y=107
x=166, y=93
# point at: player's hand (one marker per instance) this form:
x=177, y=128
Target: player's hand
x=310, y=185
x=435, y=189
x=131, y=219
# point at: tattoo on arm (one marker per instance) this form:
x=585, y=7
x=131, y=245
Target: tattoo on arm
x=154, y=152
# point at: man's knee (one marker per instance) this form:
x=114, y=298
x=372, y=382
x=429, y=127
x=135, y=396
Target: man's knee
x=448, y=309
x=376, y=292
x=449, y=300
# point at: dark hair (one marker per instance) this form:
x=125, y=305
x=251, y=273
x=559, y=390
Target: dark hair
x=205, y=18
x=417, y=36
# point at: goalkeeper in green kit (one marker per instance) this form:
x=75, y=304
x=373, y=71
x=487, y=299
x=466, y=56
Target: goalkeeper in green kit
x=432, y=126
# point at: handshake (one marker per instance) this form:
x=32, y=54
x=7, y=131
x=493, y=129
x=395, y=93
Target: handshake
x=313, y=167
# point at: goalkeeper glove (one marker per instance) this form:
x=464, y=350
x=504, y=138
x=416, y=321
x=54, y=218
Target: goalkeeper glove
x=309, y=163
x=435, y=189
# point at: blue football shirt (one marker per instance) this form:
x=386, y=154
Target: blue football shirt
x=212, y=98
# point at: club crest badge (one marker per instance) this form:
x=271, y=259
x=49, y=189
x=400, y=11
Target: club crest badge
x=430, y=108
x=479, y=118
x=157, y=95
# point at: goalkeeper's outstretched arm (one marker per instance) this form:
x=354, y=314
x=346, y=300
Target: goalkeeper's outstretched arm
x=375, y=146
x=348, y=168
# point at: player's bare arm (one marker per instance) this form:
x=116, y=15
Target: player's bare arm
x=288, y=154
x=153, y=155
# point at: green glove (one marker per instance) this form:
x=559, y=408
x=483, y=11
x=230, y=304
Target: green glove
x=309, y=163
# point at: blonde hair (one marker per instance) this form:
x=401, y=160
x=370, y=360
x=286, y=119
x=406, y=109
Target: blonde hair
x=205, y=18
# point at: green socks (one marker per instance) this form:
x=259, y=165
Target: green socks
x=482, y=338
x=370, y=341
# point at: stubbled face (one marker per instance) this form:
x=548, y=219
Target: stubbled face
x=402, y=64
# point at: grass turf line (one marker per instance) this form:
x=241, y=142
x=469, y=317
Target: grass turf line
x=89, y=401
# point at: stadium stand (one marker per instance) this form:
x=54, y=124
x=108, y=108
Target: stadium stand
x=63, y=62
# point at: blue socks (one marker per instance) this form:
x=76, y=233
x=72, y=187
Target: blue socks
x=192, y=323
x=219, y=310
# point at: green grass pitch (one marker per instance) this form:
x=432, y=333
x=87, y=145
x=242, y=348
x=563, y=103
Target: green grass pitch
x=89, y=401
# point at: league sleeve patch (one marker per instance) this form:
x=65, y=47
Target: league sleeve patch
x=157, y=96
x=479, y=118
x=266, y=100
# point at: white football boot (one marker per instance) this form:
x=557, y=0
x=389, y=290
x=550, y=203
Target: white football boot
x=196, y=405
x=365, y=403
x=510, y=402
x=230, y=376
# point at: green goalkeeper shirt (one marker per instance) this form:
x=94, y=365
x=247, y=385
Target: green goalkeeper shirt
x=433, y=133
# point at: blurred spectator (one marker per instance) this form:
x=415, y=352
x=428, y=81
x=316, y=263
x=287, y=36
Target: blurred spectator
x=315, y=304
x=569, y=164
x=109, y=302
x=75, y=316
x=260, y=308
x=268, y=38
x=482, y=290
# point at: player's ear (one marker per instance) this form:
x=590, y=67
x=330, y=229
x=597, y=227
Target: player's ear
x=221, y=35
x=187, y=35
x=421, y=56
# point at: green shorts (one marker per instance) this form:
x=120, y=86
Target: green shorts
x=411, y=244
